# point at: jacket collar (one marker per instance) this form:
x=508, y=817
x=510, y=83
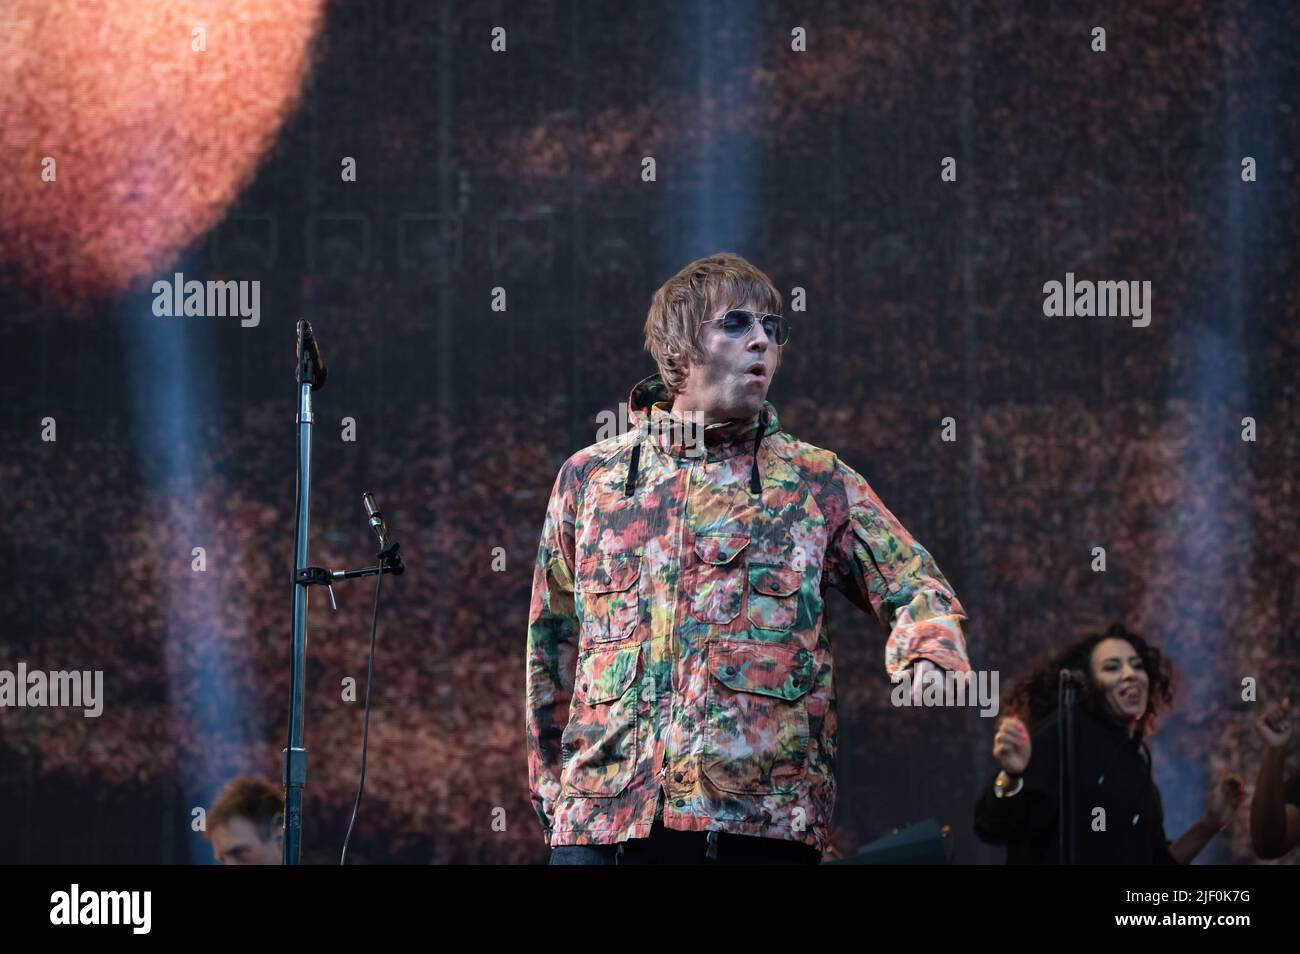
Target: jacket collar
x=650, y=411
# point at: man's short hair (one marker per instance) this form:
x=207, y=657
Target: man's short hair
x=672, y=325
x=260, y=802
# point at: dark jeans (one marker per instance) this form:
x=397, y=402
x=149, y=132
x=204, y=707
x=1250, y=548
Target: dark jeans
x=665, y=846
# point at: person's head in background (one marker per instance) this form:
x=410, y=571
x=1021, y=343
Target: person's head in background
x=1126, y=680
x=246, y=823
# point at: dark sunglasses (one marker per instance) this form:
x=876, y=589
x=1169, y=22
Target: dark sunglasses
x=737, y=322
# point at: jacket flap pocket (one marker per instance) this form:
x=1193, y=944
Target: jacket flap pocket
x=763, y=668
x=609, y=574
x=718, y=548
x=774, y=580
x=607, y=675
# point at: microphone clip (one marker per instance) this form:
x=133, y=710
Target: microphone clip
x=390, y=558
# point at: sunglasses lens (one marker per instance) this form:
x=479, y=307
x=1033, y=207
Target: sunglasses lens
x=737, y=323
x=777, y=328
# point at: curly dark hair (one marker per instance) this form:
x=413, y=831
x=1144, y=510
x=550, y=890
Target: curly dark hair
x=1033, y=697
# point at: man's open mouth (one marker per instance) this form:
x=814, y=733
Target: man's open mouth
x=757, y=371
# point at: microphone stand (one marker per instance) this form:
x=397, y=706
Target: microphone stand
x=310, y=376
x=1065, y=779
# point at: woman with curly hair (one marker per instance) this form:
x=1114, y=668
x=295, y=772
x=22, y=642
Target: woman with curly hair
x=1125, y=684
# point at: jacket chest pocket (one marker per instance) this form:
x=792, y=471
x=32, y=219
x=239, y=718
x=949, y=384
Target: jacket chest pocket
x=773, y=596
x=756, y=725
x=718, y=583
x=611, y=604
x=599, y=745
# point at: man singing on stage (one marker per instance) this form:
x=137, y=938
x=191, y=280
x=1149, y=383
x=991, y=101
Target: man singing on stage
x=680, y=700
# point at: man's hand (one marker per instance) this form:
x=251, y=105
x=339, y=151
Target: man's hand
x=1011, y=746
x=922, y=670
x=1275, y=726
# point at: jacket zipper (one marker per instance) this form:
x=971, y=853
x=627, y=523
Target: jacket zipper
x=672, y=633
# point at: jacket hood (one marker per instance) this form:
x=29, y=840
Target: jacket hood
x=649, y=411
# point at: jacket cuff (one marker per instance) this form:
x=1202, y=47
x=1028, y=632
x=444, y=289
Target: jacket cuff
x=941, y=643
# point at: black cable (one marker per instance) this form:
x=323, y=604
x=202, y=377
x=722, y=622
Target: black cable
x=365, y=732
x=1063, y=817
